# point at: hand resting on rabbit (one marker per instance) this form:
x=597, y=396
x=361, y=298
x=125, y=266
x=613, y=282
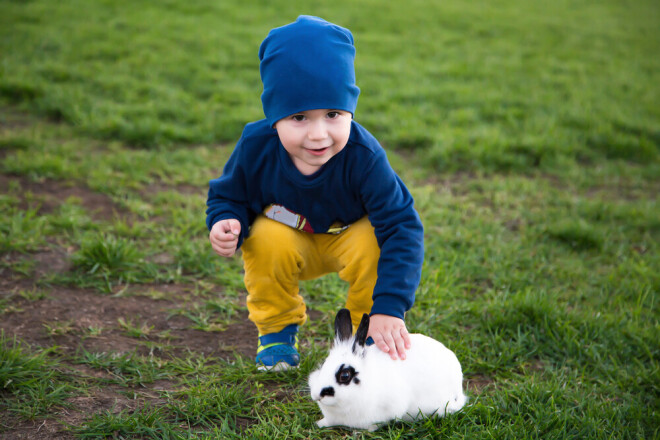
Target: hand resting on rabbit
x=360, y=386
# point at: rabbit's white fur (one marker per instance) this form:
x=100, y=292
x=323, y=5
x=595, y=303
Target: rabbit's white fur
x=429, y=382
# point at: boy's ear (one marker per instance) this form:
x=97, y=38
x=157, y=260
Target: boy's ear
x=361, y=333
x=343, y=325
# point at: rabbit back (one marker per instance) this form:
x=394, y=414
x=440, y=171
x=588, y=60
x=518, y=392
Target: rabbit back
x=430, y=380
x=435, y=377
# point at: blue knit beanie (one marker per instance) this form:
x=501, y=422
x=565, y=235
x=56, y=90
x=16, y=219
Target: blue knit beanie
x=307, y=65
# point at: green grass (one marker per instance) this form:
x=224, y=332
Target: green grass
x=127, y=368
x=490, y=85
x=21, y=231
x=31, y=384
x=528, y=133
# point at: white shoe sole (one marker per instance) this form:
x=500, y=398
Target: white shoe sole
x=280, y=366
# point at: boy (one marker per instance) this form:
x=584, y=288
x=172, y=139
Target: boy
x=308, y=191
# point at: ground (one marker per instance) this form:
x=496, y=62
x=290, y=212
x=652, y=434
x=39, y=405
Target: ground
x=66, y=317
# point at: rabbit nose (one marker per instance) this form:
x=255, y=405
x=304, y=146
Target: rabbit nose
x=327, y=391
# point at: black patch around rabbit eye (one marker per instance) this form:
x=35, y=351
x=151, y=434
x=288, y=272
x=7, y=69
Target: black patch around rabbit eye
x=345, y=375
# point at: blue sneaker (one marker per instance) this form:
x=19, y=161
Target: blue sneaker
x=278, y=351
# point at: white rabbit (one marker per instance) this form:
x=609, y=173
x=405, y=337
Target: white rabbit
x=360, y=386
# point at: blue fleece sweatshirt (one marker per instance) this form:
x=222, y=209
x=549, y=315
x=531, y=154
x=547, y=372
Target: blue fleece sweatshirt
x=358, y=181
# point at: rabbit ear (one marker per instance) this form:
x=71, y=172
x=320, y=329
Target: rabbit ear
x=361, y=333
x=343, y=325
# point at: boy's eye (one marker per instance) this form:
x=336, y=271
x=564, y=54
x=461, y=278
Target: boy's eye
x=298, y=118
x=333, y=115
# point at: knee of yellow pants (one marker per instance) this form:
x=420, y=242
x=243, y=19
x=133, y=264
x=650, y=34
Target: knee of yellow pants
x=273, y=258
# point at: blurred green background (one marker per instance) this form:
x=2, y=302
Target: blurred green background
x=494, y=85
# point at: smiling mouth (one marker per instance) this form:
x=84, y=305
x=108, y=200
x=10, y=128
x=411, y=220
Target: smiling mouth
x=317, y=151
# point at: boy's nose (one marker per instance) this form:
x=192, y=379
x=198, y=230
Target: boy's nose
x=317, y=131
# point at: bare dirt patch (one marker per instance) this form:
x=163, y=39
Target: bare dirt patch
x=476, y=384
x=47, y=195
x=35, y=430
x=75, y=319
x=158, y=187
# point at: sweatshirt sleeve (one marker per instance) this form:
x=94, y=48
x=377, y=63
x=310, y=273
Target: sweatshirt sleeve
x=400, y=235
x=228, y=198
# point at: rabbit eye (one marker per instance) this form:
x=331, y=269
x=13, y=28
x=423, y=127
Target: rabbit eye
x=345, y=375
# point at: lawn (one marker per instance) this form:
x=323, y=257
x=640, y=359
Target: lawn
x=528, y=133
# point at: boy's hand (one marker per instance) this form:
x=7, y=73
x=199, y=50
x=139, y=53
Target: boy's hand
x=390, y=335
x=224, y=237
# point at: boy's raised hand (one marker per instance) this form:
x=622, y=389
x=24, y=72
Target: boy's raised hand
x=224, y=237
x=390, y=335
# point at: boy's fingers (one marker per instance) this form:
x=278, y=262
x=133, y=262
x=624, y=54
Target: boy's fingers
x=223, y=246
x=223, y=237
x=224, y=252
x=227, y=244
x=400, y=345
x=226, y=230
x=406, y=338
x=389, y=342
x=380, y=342
x=233, y=227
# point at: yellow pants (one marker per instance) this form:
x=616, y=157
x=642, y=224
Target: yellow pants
x=277, y=256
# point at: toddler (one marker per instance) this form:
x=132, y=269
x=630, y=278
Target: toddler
x=308, y=191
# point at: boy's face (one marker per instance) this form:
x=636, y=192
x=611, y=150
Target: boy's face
x=312, y=137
